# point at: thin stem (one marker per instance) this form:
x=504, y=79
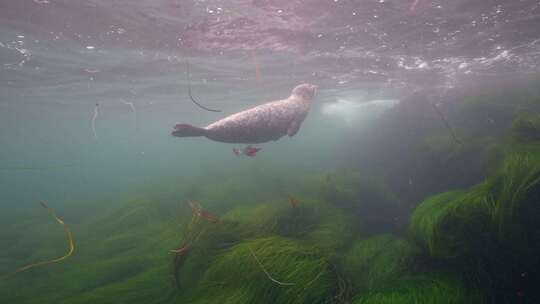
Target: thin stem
x=96, y=113
x=266, y=272
x=68, y=254
x=188, y=77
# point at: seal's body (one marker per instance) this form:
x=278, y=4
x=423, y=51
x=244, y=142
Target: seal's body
x=269, y=121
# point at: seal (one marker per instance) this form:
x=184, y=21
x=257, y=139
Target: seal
x=263, y=123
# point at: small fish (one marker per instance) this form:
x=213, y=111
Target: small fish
x=295, y=202
x=250, y=151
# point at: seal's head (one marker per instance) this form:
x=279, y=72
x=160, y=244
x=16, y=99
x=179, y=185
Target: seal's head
x=304, y=91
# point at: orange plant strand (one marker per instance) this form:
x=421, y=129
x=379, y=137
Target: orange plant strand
x=56, y=260
x=257, y=66
x=181, y=249
x=295, y=202
x=200, y=213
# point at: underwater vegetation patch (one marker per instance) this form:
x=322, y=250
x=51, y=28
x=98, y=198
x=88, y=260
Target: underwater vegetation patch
x=368, y=199
x=527, y=127
x=70, y=251
x=310, y=223
x=267, y=270
x=490, y=233
x=121, y=258
x=492, y=112
x=320, y=243
x=275, y=217
x=277, y=250
x=504, y=209
x=452, y=224
x=475, y=155
x=431, y=288
x=378, y=263
x=312, y=220
x=515, y=192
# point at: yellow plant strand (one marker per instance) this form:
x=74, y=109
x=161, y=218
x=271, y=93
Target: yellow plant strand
x=266, y=272
x=56, y=260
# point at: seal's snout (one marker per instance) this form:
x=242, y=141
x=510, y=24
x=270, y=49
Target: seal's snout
x=305, y=91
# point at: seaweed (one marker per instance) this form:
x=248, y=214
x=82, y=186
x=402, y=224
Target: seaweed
x=452, y=224
x=527, y=127
x=121, y=257
x=490, y=234
x=433, y=288
x=515, y=192
x=194, y=230
x=312, y=225
x=377, y=263
x=69, y=253
x=366, y=198
x=334, y=230
x=323, y=246
x=314, y=221
x=236, y=276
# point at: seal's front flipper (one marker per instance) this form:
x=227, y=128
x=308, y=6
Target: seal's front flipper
x=293, y=128
x=185, y=130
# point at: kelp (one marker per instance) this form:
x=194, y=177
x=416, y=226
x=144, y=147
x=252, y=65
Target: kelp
x=379, y=262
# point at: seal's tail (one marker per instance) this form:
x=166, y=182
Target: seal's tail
x=185, y=130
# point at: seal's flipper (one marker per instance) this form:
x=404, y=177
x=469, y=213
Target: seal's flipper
x=186, y=130
x=293, y=128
